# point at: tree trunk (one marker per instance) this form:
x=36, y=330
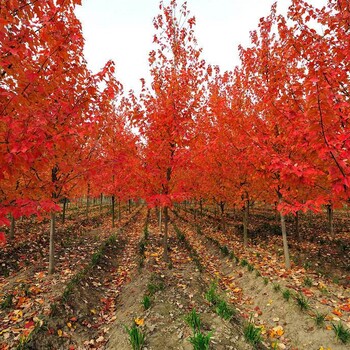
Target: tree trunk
x=64, y=210
x=223, y=221
x=119, y=210
x=284, y=233
x=297, y=231
x=330, y=219
x=101, y=199
x=165, y=239
x=201, y=206
x=113, y=211
x=129, y=203
x=160, y=219
x=88, y=202
x=245, y=223
x=52, y=243
x=12, y=227
x=285, y=242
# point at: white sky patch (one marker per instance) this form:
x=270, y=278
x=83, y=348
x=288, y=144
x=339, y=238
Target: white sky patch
x=122, y=30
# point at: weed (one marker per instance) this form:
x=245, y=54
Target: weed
x=200, y=341
x=252, y=334
x=224, y=311
x=307, y=265
x=232, y=256
x=266, y=281
x=258, y=273
x=335, y=280
x=146, y=302
x=211, y=294
x=308, y=282
x=112, y=240
x=193, y=320
x=53, y=309
x=224, y=250
x=142, y=247
x=320, y=319
x=145, y=232
x=96, y=258
x=286, y=294
x=276, y=287
x=7, y=302
x=250, y=267
x=302, y=302
x=68, y=291
x=244, y=262
x=136, y=337
x=155, y=287
x=341, y=332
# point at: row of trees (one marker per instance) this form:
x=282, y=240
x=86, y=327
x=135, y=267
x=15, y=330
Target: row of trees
x=275, y=129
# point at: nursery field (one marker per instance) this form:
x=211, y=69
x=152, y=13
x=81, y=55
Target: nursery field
x=112, y=288
x=206, y=208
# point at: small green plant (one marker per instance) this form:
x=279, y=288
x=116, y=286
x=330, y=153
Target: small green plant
x=341, y=332
x=155, y=287
x=194, y=321
x=250, y=267
x=286, y=294
x=224, y=250
x=7, y=301
x=302, y=302
x=224, y=311
x=68, y=291
x=96, y=258
x=308, y=282
x=146, y=302
x=257, y=273
x=320, y=319
x=244, y=262
x=211, y=294
x=136, y=337
x=276, y=287
x=145, y=232
x=142, y=247
x=252, y=334
x=53, y=309
x=232, y=256
x=266, y=281
x=200, y=341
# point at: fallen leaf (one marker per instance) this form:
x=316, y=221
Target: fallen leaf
x=139, y=321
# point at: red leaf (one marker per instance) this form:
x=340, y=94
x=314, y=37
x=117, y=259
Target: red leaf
x=2, y=238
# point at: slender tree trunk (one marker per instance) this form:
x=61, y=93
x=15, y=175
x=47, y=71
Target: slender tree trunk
x=101, y=199
x=245, y=223
x=165, y=239
x=12, y=227
x=129, y=203
x=297, y=231
x=284, y=236
x=201, y=206
x=119, y=210
x=160, y=219
x=88, y=202
x=330, y=219
x=223, y=221
x=52, y=243
x=113, y=211
x=285, y=242
x=64, y=210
